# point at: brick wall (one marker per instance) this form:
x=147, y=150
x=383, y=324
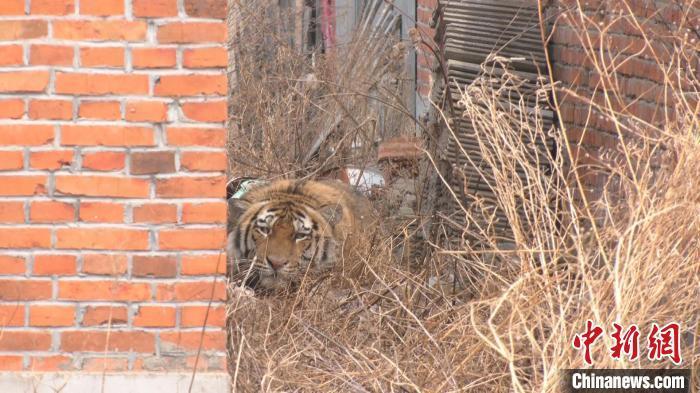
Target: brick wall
x=112, y=167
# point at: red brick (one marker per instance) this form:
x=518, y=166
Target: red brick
x=192, y=32
x=191, y=291
x=52, y=7
x=51, y=363
x=99, y=30
x=188, y=136
x=23, y=29
x=12, y=265
x=11, y=363
x=100, y=341
x=52, y=315
x=204, y=213
x=51, y=55
x=103, y=290
x=206, y=8
x=105, y=315
x=214, y=57
x=104, y=363
x=11, y=212
x=101, y=212
x=99, y=84
x=74, y=135
x=153, y=57
x=12, y=7
x=25, y=341
x=102, y=57
x=102, y=7
x=152, y=162
x=11, y=315
x=14, y=290
x=51, y=211
x=109, y=265
x=11, y=109
x=194, y=316
x=51, y=109
x=11, y=160
x=155, y=213
x=26, y=135
x=154, y=8
x=102, y=239
x=191, y=85
x=203, y=265
x=154, y=266
x=191, y=239
x=50, y=159
x=101, y=110
x=23, y=81
x=19, y=185
x=147, y=111
x=204, y=161
x=46, y=265
x=192, y=187
x=155, y=316
x=205, y=111
x=104, y=161
x=11, y=55
x=209, y=340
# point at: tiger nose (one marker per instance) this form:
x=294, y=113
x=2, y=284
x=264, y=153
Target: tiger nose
x=276, y=263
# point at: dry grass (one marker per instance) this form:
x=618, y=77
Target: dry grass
x=490, y=320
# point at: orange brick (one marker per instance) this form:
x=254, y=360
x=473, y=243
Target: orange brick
x=105, y=315
x=154, y=266
x=104, y=161
x=101, y=212
x=46, y=265
x=192, y=187
x=194, y=316
x=110, y=265
x=12, y=265
x=51, y=55
x=204, y=213
x=19, y=185
x=106, y=136
x=102, y=7
x=209, y=340
x=191, y=32
x=99, y=30
x=205, y=111
x=23, y=81
x=102, y=57
x=189, y=136
x=50, y=211
x=11, y=363
x=11, y=55
x=12, y=7
x=52, y=7
x=51, y=109
x=11, y=160
x=26, y=135
x=155, y=213
x=191, y=239
x=99, y=84
x=154, y=8
x=102, y=186
x=51, y=159
x=14, y=290
x=101, y=110
x=155, y=316
x=214, y=57
x=25, y=341
x=204, y=161
x=11, y=212
x=153, y=111
x=51, y=363
x=153, y=57
x=103, y=290
x=191, y=85
x=53, y=316
x=100, y=341
x=102, y=239
x=104, y=363
x=191, y=291
x=23, y=29
x=11, y=315
x=11, y=109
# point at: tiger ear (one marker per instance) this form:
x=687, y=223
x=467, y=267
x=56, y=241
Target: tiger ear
x=332, y=213
x=236, y=208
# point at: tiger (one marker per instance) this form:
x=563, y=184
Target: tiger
x=286, y=230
